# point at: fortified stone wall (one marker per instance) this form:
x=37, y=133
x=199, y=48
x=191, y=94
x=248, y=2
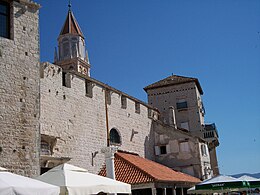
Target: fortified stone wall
x=165, y=97
x=19, y=91
x=76, y=117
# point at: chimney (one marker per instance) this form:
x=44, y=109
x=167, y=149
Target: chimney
x=172, y=119
x=109, y=158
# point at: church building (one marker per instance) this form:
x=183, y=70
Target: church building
x=52, y=113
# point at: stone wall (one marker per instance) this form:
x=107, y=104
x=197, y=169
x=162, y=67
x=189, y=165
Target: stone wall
x=183, y=151
x=165, y=97
x=19, y=91
x=77, y=119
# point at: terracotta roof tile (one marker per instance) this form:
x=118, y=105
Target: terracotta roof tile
x=174, y=80
x=133, y=169
x=127, y=173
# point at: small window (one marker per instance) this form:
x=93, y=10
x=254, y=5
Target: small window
x=163, y=150
x=204, y=150
x=45, y=148
x=185, y=125
x=66, y=81
x=137, y=107
x=4, y=19
x=114, y=137
x=184, y=147
x=182, y=104
x=63, y=78
x=74, y=49
x=150, y=113
x=47, y=144
x=108, y=97
x=123, y=102
x=66, y=50
x=160, y=150
x=88, y=88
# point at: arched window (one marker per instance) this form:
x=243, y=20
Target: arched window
x=114, y=137
x=74, y=47
x=65, y=48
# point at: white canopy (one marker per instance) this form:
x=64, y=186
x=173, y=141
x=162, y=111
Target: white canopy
x=75, y=180
x=246, y=178
x=11, y=184
x=218, y=179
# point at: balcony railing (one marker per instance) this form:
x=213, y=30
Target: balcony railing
x=210, y=131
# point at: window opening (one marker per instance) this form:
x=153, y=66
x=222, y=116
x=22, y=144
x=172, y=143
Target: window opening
x=4, y=19
x=74, y=47
x=88, y=88
x=182, y=104
x=108, y=96
x=137, y=107
x=184, y=147
x=114, y=137
x=185, y=125
x=123, y=102
x=66, y=82
x=163, y=150
x=45, y=148
x=203, y=150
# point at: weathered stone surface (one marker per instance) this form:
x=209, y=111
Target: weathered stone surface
x=190, y=159
x=19, y=92
x=79, y=121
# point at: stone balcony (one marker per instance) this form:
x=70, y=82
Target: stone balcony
x=210, y=134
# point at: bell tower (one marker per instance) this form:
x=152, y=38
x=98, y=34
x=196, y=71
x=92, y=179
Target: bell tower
x=72, y=54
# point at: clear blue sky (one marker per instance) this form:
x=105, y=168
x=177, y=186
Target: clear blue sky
x=133, y=43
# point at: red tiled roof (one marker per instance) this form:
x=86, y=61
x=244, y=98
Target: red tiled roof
x=174, y=80
x=71, y=26
x=133, y=169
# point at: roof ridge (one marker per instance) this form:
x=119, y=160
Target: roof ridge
x=144, y=172
x=174, y=80
x=71, y=22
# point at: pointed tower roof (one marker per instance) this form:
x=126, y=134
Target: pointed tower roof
x=71, y=26
x=174, y=80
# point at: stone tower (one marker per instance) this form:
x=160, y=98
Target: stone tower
x=179, y=101
x=71, y=53
x=19, y=87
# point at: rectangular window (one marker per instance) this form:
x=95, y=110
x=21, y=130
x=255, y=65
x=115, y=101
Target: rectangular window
x=159, y=150
x=63, y=78
x=185, y=125
x=163, y=149
x=184, y=147
x=123, y=102
x=182, y=104
x=137, y=107
x=88, y=88
x=204, y=149
x=4, y=19
x=66, y=81
x=108, y=97
x=150, y=113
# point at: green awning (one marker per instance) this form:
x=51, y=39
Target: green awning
x=223, y=185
